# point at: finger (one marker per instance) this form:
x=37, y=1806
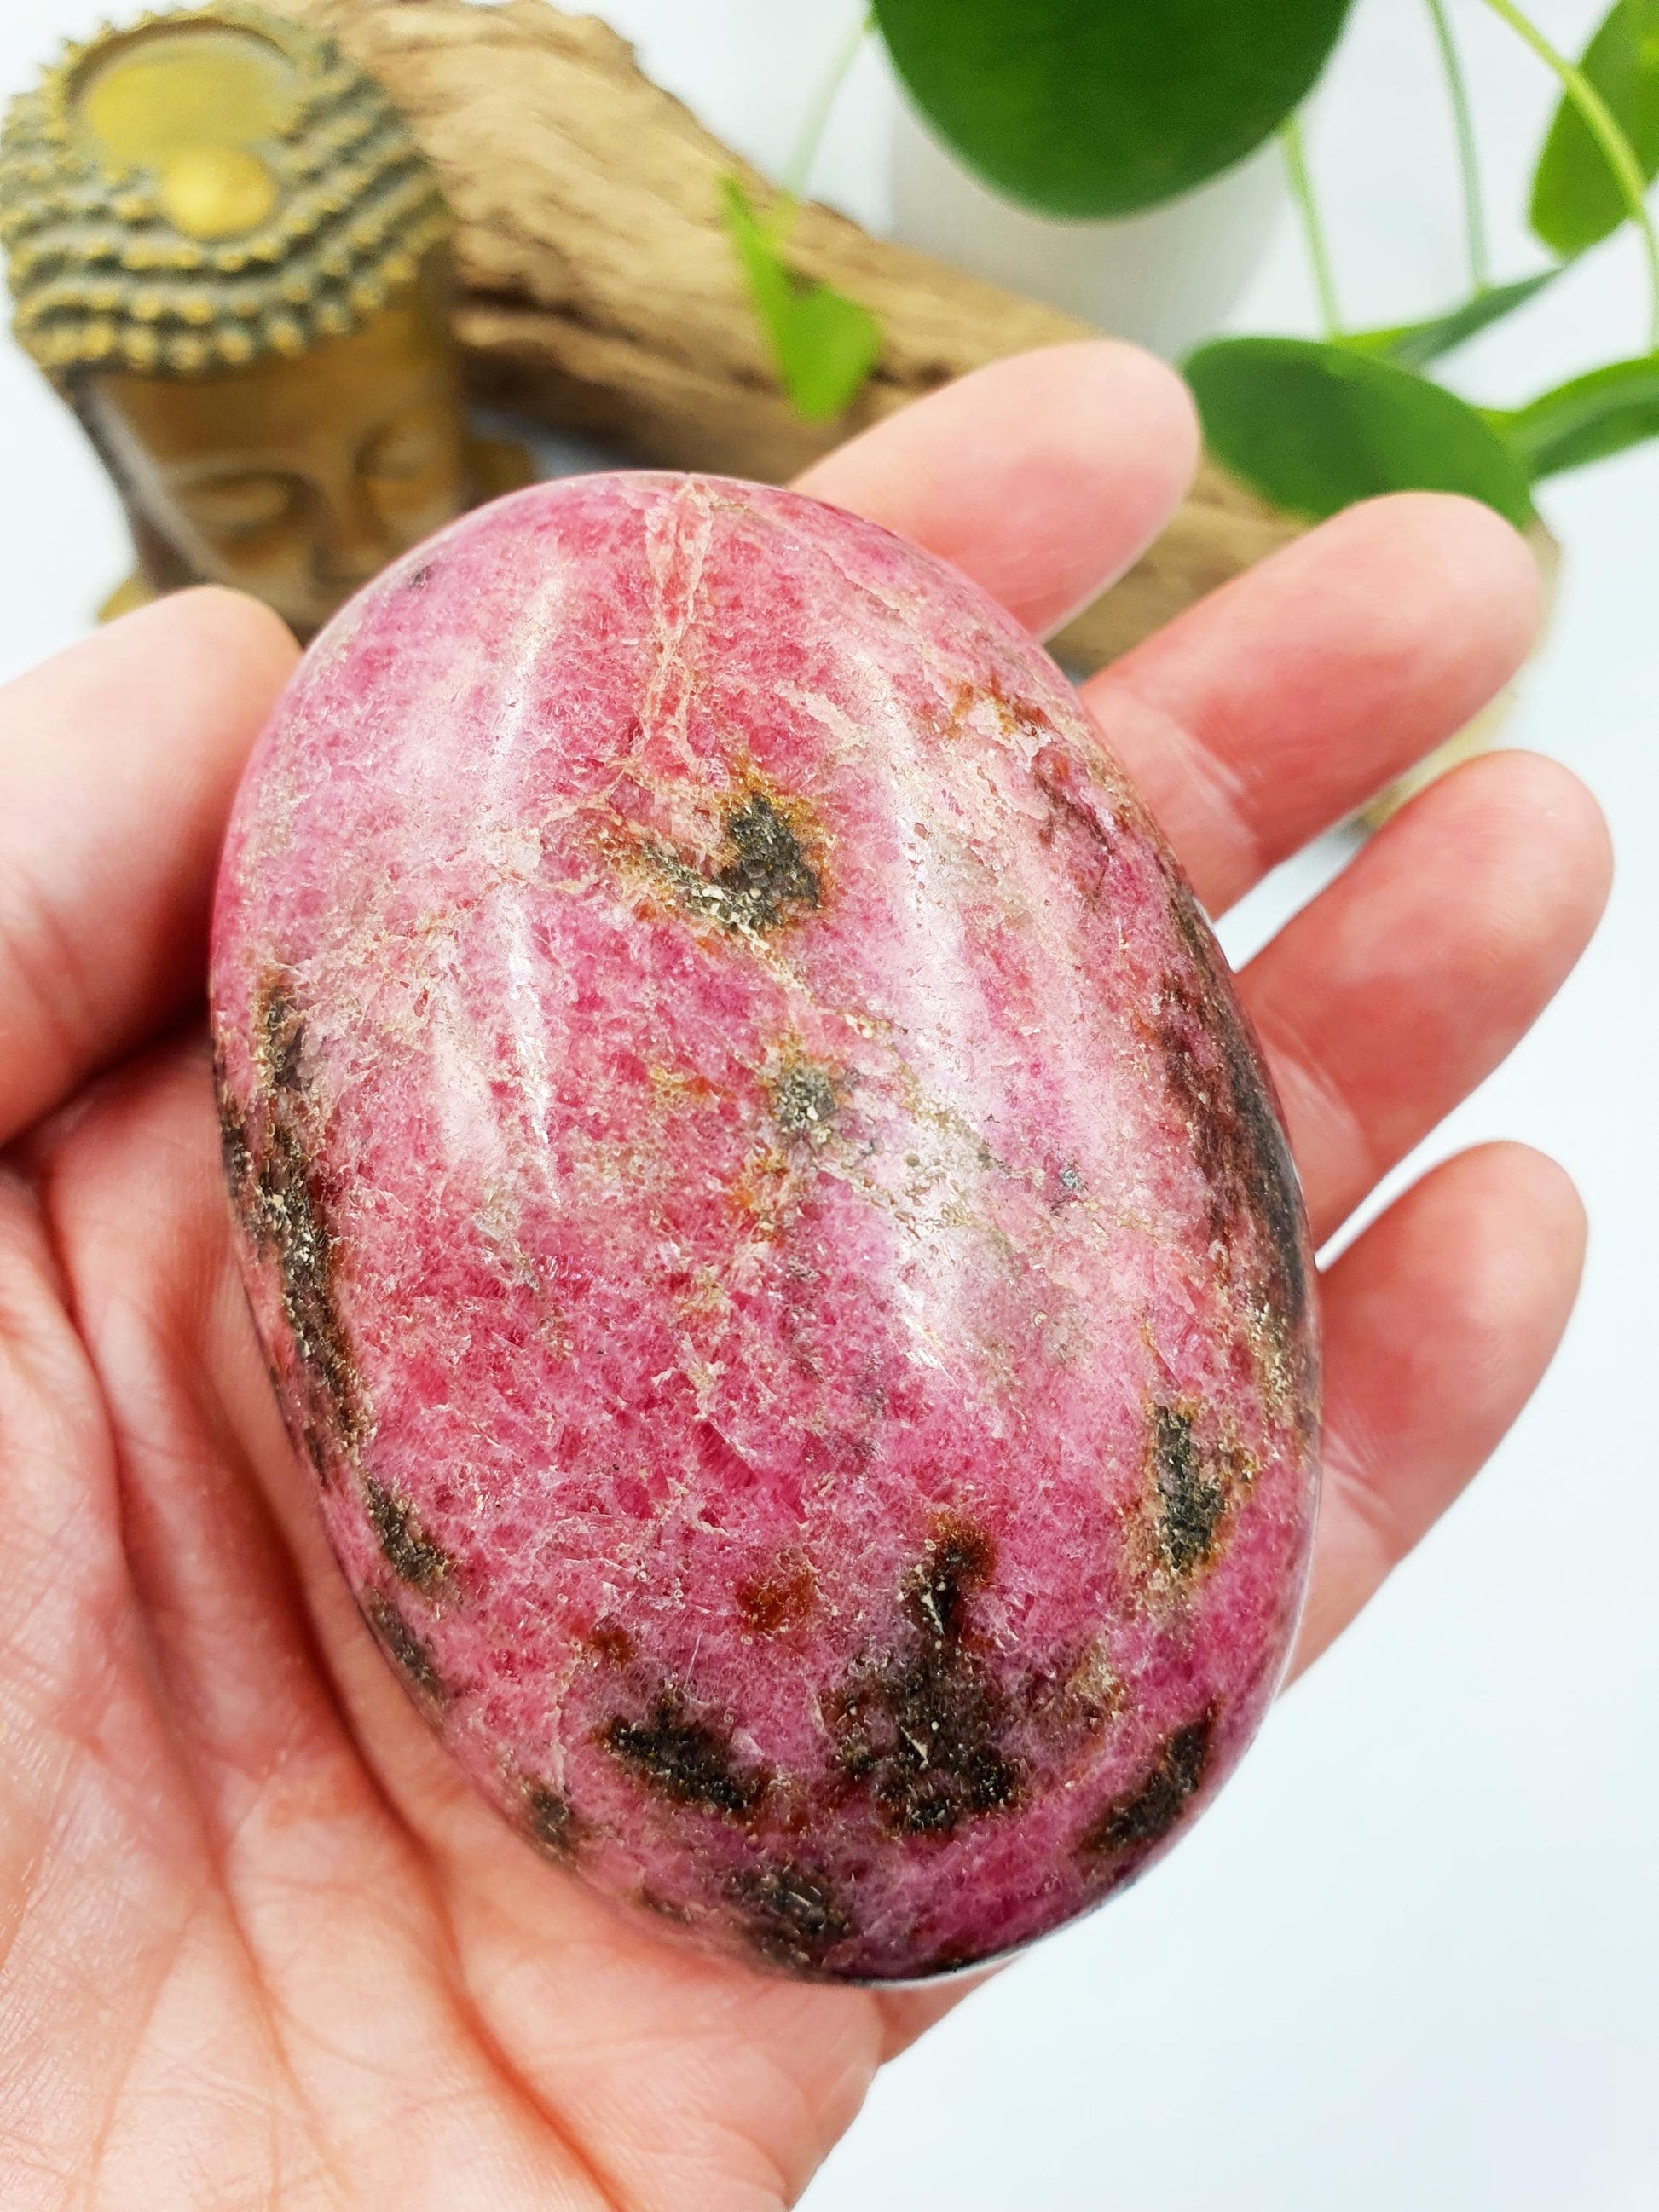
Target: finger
x=1282, y=701
x=1439, y=1322
x=119, y=759
x=1402, y=985
x=1043, y=477
x=67, y=1592
x=133, y=1190
x=104, y=1886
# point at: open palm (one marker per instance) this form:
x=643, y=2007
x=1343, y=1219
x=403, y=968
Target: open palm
x=259, y=1947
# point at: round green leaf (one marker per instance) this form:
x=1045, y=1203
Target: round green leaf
x=1315, y=428
x=1576, y=199
x=1097, y=107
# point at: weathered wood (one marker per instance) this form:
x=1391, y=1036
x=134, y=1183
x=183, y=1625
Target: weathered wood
x=600, y=292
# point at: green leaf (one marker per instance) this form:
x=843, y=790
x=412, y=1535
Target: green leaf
x=1414, y=345
x=1575, y=198
x=1097, y=107
x=1314, y=427
x=824, y=345
x=1585, y=420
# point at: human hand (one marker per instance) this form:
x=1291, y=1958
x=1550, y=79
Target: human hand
x=262, y=1946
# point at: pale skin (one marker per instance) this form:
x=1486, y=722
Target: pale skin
x=261, y=1947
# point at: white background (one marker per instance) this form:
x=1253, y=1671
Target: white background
x=1411, y=1961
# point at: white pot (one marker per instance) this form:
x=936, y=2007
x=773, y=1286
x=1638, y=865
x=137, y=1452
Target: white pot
x=1166, y=279
x=753, y=71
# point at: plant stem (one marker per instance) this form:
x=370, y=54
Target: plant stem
x=1296, y=163
x=798, y=175
x=1468, y=158
x=1603, y=126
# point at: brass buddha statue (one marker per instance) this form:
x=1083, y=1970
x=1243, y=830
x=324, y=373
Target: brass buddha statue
x=230, y=256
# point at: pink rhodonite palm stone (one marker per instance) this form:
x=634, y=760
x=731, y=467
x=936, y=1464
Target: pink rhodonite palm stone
x=766, y=1221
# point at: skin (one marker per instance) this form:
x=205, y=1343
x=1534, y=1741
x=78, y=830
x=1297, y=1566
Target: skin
x=257, y=1932
x=298, y=480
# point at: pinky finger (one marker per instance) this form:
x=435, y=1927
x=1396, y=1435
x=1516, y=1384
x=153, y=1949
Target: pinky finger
x=1439, y=1322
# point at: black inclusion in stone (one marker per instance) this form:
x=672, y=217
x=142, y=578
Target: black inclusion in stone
x=1147, y=1814
x=789, y=1912
x=410, y=1552
x=767, y=872
x=408, y=1652
x=550, y=1821
x=687, y=1760
x=764, y=878
x=923, y=1727
x=1191, y=1497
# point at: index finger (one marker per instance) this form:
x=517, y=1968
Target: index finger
x=118, y=760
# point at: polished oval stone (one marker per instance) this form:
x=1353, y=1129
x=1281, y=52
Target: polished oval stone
x=768, y=1222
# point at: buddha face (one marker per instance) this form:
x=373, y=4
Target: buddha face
x=298, y=480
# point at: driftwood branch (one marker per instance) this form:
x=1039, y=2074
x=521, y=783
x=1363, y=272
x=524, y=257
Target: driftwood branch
x=600, y=292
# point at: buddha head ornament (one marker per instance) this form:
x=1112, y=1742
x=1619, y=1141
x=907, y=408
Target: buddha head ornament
x=229, y=255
